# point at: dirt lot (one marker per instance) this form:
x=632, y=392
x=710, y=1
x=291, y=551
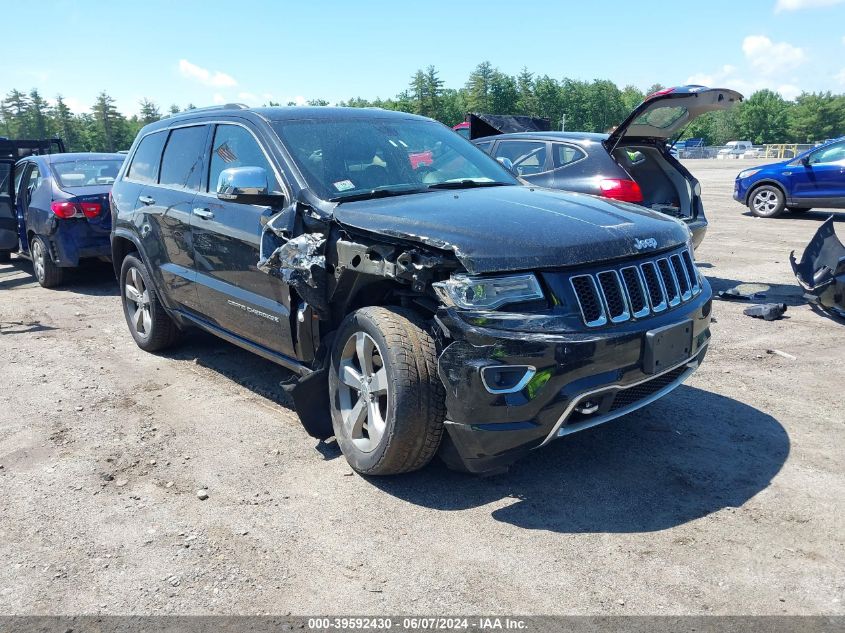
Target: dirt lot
x=725, y=497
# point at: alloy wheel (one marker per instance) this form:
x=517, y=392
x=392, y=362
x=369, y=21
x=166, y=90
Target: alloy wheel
x=765, y=201
x=137, y=298
x=37, y=252
x=362, y=386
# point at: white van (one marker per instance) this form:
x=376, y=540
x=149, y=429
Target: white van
x=734, y=149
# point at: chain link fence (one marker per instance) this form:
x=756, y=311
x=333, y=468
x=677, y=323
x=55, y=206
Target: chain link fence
x=775, y=151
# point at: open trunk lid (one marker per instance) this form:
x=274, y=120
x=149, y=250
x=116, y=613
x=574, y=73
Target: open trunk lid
x=665, y=114
x=481, y=125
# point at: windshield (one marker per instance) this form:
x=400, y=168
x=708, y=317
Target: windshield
x=661, y=117
x=347, y=158
x=84, y=173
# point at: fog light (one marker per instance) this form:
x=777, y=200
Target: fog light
x=506, y=378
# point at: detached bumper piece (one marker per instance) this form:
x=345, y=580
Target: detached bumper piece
x=821, y=271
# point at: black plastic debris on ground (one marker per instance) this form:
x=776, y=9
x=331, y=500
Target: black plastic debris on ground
x=766, y=311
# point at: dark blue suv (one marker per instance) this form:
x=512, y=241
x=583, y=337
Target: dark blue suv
x=814, y=179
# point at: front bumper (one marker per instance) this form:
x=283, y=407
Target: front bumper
x=603, y=369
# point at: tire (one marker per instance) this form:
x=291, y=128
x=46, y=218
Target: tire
x=150, y=325
x=5, y=257
x=46, y=272
x=766, y=201
x=408, y=403
x=798, y=209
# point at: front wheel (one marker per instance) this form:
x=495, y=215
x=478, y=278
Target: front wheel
x=387, y=402
x=766, y=201
x=46, y=272
x=150, y=325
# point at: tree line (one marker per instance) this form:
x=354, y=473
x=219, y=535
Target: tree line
x=590, y=106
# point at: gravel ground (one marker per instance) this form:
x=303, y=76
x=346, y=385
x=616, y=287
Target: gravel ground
x=725, y=497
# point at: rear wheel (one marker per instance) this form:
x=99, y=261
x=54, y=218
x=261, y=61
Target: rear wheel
x=766, y=201
x=46, y=272
x=387, y=401
x=150, y=326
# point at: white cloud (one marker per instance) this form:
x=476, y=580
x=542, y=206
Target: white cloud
x=204, y=76
x=770, y=57
x=840, y=76
x=797, y=5
x=249, y=98
x=730, y=77
x=218, y=99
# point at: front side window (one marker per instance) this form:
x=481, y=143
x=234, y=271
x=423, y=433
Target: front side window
x=566, y=154
x=830, y=154
x=84, y=173
x=144, y=167
x=20, y=170
x=181, y=164
x=528, y=157
x=235, y=146
x=349, y=158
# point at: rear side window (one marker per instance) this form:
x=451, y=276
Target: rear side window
x=181, y=165
x=485, y=145
x=566, y=154
x=236, y=147
x=528, y=157
x=144, y=167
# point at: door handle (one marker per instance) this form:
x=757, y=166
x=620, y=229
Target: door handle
x=146, y=200
x=205, y=214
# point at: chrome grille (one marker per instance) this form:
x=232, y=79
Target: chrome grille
x=637, y=290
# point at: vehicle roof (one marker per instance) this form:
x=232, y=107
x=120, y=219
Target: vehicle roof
x=285, y=113
x=550, y=136
x=69, y=156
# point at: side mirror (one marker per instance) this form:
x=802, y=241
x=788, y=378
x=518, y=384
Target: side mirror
x=247, y=185
x=805, y=160
x=507, y=163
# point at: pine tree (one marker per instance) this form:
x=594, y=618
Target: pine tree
x=38, y=115
x=478, y=87
x=66, y=125
x=108, y=123
x=149, y=112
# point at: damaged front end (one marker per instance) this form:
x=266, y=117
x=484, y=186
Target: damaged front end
x=821, y=271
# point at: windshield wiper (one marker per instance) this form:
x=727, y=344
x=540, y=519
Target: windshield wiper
x=378, y=192
x=467, y=183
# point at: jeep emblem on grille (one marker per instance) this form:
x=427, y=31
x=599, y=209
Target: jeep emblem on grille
x=648, y=242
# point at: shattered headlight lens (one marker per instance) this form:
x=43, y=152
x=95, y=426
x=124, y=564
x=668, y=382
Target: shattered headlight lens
x=747, y=173
x=469, y=292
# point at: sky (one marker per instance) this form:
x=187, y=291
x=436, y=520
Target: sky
x=211, y=51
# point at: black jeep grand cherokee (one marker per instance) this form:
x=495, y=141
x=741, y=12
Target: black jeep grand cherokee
x=409, y=281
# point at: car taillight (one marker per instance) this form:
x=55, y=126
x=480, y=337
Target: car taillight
x=64, y=209
x=625, y=190
x=91, y=209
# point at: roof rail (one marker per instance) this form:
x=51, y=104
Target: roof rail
x=225, y=106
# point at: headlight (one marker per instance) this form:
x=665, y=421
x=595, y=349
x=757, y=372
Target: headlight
x=468, y=292
x=747, y=173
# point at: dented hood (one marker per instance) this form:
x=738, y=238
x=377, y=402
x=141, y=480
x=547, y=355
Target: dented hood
x=508, y=228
